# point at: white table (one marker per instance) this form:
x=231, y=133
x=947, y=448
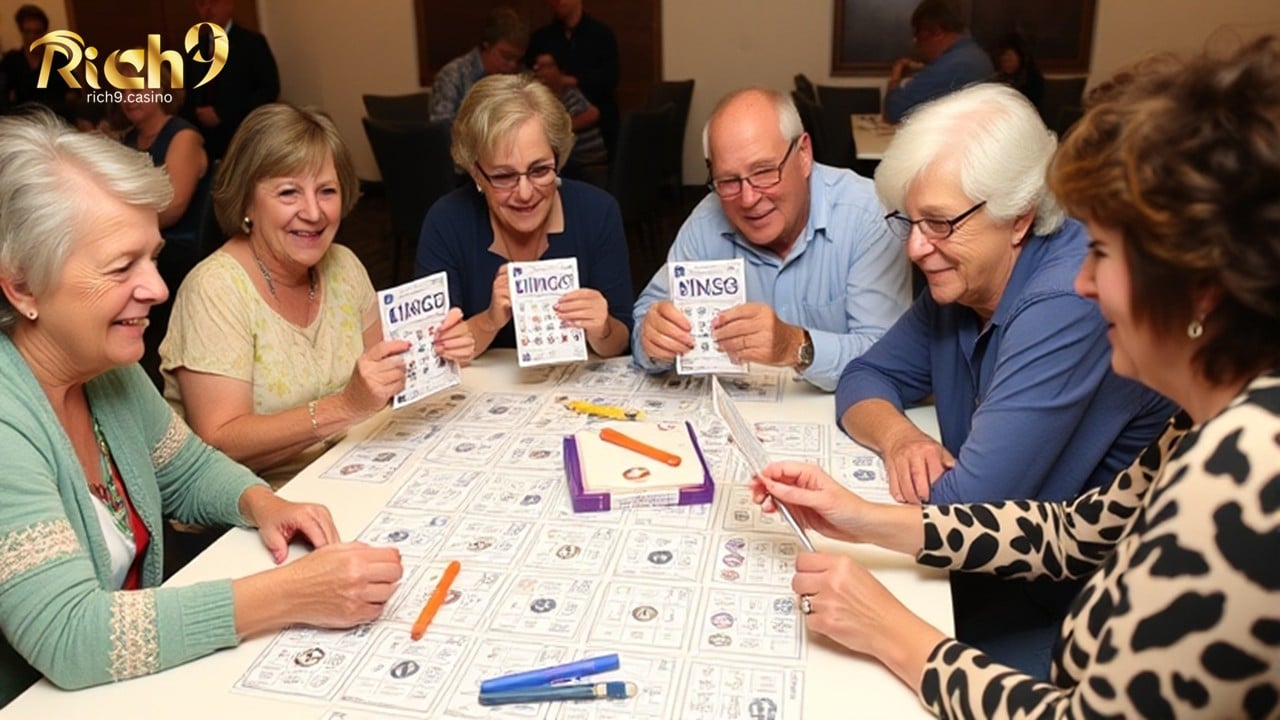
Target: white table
x=836, y=681
x=871, y=136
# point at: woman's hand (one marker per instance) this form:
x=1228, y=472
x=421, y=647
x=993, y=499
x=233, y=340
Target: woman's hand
x=378, y=376
x=499, y=312
x=454, y=340
x=848, y=605
x=279, y=521
x=336, y=586
x=584, y=308
x=816, y=500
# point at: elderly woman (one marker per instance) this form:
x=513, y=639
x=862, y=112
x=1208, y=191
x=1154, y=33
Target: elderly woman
x=512, y=136
x=1018, y=364
x=1175, y=174
x=275, y=344
x=93, y=458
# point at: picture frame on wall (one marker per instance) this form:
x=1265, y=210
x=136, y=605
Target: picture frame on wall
x=870, y=34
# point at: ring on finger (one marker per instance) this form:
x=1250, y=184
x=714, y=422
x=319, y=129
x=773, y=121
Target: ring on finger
x=806, y=604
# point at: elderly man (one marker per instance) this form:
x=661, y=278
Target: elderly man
x=952, y=59
x=1018, y=363
x=502, y=44
x=824, y=277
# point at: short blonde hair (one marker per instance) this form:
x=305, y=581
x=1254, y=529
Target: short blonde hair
x=274, y=141
x=499, y=104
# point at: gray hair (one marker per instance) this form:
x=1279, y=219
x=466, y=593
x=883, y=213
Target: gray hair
x=1000, y=147
x=789, y=124
x=40, y=209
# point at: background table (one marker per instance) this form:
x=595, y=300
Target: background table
x=837, y=683
x=871, y=136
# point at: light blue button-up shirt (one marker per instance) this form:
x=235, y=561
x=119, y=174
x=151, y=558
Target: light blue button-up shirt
x=845, y=280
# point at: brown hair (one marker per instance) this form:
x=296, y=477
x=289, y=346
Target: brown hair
x=944, y=15
x=1182, y=156
x=274, y=141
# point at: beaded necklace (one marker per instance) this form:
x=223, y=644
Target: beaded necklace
x=107, y=489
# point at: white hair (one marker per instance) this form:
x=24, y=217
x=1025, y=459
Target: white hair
x=999, y=146
x=788, y=117
x=40, y=204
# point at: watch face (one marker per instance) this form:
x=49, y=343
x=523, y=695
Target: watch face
x=806, y=354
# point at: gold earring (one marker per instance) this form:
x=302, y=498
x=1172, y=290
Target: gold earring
x=246, y=225
x=1195, y=328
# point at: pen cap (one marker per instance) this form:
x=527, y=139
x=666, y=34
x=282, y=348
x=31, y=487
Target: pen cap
x=548, y=675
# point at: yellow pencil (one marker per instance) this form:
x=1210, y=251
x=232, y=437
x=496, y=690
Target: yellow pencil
x=612, y=412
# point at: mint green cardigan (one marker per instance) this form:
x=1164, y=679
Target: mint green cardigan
x=59, y=616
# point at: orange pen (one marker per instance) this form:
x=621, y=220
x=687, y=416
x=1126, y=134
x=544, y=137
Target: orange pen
x=610, y=435
x=435, y=601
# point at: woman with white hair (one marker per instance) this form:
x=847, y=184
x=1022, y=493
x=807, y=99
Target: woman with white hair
x=95, y=461
x=1017, y=362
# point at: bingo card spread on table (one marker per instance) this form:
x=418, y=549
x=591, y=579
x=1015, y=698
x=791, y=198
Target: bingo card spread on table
x=414, y=311
x=541, y=337
x=702, y=290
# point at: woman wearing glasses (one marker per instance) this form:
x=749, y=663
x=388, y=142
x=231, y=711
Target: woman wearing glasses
x=512, y=136
x=1175, y=170
x=1016, y=361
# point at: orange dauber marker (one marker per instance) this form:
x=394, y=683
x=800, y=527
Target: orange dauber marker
x=610, y=435
x=435, y=601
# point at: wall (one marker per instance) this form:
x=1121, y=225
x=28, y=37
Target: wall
x=331, y=52
x=721, y=43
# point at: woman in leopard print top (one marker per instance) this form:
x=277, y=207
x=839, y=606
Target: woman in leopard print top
x=1175, y=169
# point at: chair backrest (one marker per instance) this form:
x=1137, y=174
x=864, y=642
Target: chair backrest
x=416, y=169
x=636, y=170
x=814, y=124
x=850, y=100
x=805, y=87
x=209, y=236
x=414, y=107
x=678, y=94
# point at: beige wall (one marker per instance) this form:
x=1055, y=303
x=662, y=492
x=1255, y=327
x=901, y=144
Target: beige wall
x=332, y=51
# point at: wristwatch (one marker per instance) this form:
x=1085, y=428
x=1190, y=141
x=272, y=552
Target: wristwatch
x=804, y=355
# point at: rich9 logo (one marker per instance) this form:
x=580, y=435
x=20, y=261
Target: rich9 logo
x=146, y=63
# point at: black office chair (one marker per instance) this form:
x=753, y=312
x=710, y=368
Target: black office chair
x=805, y=87
x=837, y=104
x=815, y=124
x=414, y=107
x=416, y=169
x=635, y=176
x=678, y=94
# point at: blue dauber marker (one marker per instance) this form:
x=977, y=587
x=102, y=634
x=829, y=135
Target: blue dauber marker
x=615, y=690
x=548, y=675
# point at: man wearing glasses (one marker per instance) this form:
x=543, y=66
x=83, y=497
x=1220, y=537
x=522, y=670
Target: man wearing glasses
x=1017, y=362
x=824, y=277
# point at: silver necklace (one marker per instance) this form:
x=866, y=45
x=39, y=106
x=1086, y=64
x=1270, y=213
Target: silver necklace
x=271, y=285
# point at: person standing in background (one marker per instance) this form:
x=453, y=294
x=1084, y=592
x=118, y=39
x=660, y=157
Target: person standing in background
x=20, y=69
x=248, y=80
x=588, y=55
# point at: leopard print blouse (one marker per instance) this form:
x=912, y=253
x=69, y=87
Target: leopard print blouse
x=1180, y=616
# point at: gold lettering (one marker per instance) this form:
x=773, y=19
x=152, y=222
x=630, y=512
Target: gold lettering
x=60, y=42
x=135, y=59
x=156, y=58
x=221, y=48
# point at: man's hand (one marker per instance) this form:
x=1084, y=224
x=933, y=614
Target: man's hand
x=752, y=332
x=914, y=462
x=666, y=332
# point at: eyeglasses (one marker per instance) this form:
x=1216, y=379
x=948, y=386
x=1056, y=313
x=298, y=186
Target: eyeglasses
x=933, y=229
x=539, y=175
x=760, y=179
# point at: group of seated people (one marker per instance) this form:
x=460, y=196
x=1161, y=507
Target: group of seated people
x=1098, y=332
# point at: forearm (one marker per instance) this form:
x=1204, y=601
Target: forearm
x=261, y=441
x=905, y=650
x=262, y=602
x=612, y=341
x=483, y=331
x=895, y=527
x=872, y=422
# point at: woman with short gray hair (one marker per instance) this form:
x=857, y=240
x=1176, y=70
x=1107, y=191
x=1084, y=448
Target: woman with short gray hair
x=95, y=462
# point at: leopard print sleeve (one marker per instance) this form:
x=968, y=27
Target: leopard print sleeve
x=1182, y=617
x=1029, y=539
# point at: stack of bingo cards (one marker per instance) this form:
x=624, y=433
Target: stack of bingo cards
x=702, y=290
x=414, y=311
x=541, y=337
